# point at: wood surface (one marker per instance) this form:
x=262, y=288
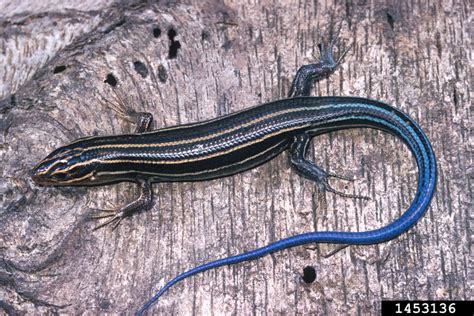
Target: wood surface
x=57, y=71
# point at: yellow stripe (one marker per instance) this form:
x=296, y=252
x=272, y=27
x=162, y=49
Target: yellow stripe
x=197, y=139
x=171, y=128
x=167, y=162
x=78, y=179
x=190, y=173
x=185, y=141
x=51, y=166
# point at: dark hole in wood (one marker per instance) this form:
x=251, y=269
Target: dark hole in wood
x=438, y=44
x=309, y=274
x=162, y=74
x=205, y=35
x=173, y=52
x=59, y=69
x=156, y=32
x=140, y=68
x=111, y=80
x=390, y=20
x=455, y=97
x=174, y=45
x=172, y=34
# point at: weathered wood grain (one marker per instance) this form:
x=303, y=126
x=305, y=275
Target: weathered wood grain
x=416, y=56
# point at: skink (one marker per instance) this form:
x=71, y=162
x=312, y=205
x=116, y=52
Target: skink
x=235, y=143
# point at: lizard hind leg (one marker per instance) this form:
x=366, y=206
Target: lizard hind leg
x=311, y=171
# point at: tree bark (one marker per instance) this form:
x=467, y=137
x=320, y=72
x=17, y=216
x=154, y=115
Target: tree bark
x=190, y=62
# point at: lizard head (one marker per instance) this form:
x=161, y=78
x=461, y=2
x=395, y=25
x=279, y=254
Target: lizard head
x=64, y=166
